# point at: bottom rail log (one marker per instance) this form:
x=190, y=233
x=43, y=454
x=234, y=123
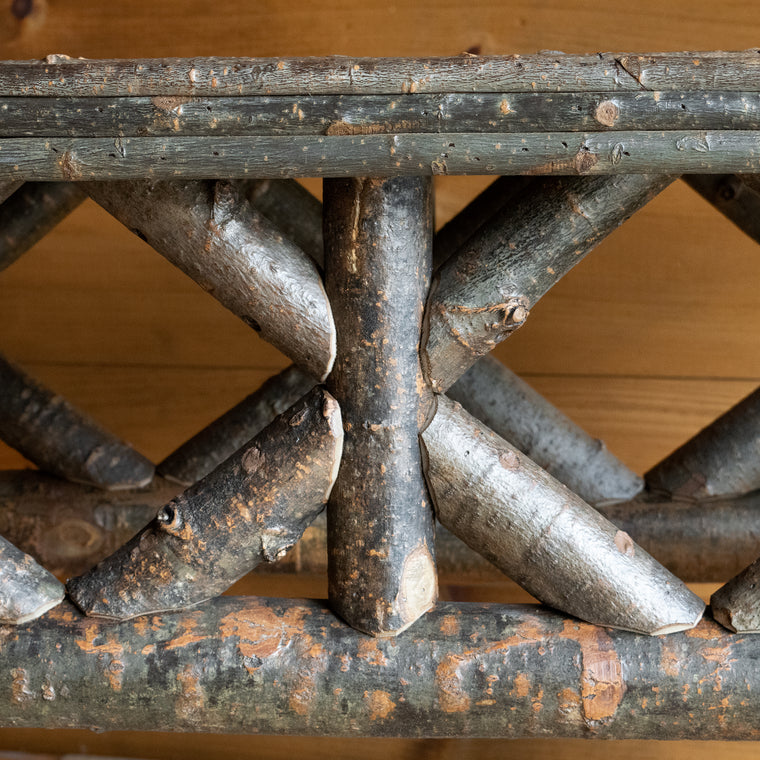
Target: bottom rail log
x=251, y=665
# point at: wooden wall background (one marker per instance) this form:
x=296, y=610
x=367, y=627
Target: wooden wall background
x=643, y=343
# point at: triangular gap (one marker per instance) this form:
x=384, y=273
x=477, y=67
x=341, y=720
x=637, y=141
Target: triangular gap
x=654, y=334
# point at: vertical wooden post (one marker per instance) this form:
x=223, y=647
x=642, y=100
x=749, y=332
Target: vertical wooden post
x=378, y=254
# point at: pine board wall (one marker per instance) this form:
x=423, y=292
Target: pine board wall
x=646, y=341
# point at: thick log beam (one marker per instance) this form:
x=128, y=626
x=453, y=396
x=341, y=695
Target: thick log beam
x=732, y=196
x=380, y=522
x=210, y=232
x=542, y=535
x=60, y=439
x=722, y=460
x=736, y=605
x=198, y=456
x=32, y=212
x=27, y=590
x=68, y=528
x=520, y=415
x=485, y=291
x=252, y=509
x=248, y=665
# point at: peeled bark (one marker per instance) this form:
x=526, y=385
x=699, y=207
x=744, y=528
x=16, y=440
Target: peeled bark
x=287, y=666
x=736, y=605
x=210, y=231
x=486, y=290
x=542, y=535
x=207, y=449
x=27, y=590
x=380, y=523
x=251, y=509
x=722, y=460
x=31, y=213
x=520, y=415
x=60, y=439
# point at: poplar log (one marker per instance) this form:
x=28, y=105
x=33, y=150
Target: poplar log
x=251, y=509
x=543, y=72
x=198, y=456
x=723, y=459
x=542, y=535
x=285, y=666
x=380, y=523
x=736, y=605
x=27, y=590
x=732, y=196
x=520, y=415
x=381, y=155
x=411, y=113
x=210, y=232
x=59, y=438
x=486, y=290
x=69, y=527
x=31, y=212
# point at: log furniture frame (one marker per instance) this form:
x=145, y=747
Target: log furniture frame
x=408, y=318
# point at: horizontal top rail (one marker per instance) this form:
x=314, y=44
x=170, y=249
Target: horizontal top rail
x=59, y=75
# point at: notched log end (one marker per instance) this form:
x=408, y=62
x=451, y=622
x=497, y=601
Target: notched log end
x=418, y=590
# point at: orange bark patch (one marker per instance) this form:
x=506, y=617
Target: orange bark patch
x=185, y=635
x=192, y=697
x=522, y=685
x=369, y=650
x=109, y=654
x=450, y=625
x=602, y=685
x=379, y=703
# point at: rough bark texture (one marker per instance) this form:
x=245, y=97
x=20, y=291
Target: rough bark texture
x=68, y=528
x=520, y=415
x=736, y=605
x=251, y=509
x=248, y=665
x=380, y=155
x=31, y=213
x=411, y=113
x=58, y=438
x=27, y=590
x=542, y=535
x=224, y=436
x=60, y=75
x=485, y=291
x=210, y=231
x=721, y=460
x=380, y=538
x=733, y=197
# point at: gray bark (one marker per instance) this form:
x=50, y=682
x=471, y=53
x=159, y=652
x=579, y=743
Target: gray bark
x=381, y=155
x=736, y=605
x=380, y=523
x=722, y=460
x=31, y=213
x=60, y=439
x=285, y=666
x=27, y=590
x=485, y=291
x=542, y=535
x=210, y=231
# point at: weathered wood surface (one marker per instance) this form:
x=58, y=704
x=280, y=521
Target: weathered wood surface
x=380, y=522
x=558, y=153
x=68, y=528
x=308, y=114
x=723, y=459
x=485, y=291
x=736, y=605
x=210, y=232
x=733, y=197
x=27, y=590
x=7, y=188
x=752, y=181
x=198, y=456
x=512, y=409
x=32, y=212
x=249, y=665
x=60, y=439
x=548, y=72
x=542, y=535
x=251, y=509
